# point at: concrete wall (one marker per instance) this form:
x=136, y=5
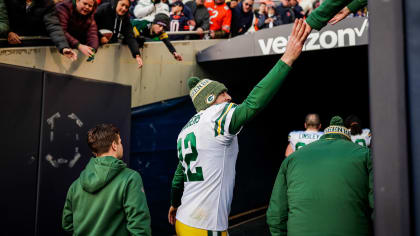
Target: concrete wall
x=162, y=77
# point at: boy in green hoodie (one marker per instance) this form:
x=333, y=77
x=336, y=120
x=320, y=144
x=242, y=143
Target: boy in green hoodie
x=108, y=198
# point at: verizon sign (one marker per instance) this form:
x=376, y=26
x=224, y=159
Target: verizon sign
x=347, y=33
x=324, y=39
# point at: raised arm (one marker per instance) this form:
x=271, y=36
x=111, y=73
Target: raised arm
x=265, y=90
x=329, y=8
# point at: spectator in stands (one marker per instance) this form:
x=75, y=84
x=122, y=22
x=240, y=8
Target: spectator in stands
x=201, y=16
x=298, y=139
x=242, y=17
x=4, y=20
x=270, y=19
x=36, y=18
x=79, y=26
x=325, y=188
x=358, y=134
x=232, y=4
x=156, y=29
x=286, y=14
x=179, y=21
x=262, y=10
x=332, y=11
x=220, y=18
x=113, y=17
x=187, y=12
x=145, y=12
x=297, y=9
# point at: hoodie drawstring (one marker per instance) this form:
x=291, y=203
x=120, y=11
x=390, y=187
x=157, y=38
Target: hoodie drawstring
x=115, y=26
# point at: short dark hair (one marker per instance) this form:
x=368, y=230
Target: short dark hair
x=312, y=120
x=100, y=138
x=353, y=123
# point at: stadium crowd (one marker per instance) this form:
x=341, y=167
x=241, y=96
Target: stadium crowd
x=87, y=24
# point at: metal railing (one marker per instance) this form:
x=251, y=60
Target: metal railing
x=25, y=38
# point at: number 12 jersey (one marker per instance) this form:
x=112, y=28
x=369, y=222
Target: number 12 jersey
x=208, y=153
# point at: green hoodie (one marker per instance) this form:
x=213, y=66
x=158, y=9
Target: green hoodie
x=107, y=199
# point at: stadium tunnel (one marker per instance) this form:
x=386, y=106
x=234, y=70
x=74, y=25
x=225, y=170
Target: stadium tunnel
x=328, y=82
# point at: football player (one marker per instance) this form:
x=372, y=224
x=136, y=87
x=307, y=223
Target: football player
x=358, y=134
x=203, y=183
x=220, y=18
x=298, y=139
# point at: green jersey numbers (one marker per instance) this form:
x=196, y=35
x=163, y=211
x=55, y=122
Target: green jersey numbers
x=299, y=145
x=361, y=142
x=187, y=153
x=362, y=139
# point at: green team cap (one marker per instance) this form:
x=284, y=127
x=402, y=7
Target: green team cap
x=204, y=92
x=337, y=127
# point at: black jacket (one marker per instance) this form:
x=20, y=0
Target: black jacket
x=201, y=15
x=107, y=18
x=286, y=14
x=240, y=20
x=261, y=21
x=39, y=19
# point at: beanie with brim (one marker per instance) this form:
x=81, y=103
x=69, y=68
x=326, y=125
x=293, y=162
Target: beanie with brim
x=337, y=127
x=162, y=19
x=204, y=92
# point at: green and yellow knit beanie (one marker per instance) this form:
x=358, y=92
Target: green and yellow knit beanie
x=204, y=92
x=337, y=127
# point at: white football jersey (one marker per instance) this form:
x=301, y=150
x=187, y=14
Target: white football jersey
x=299, y=139
x=208, y=155
x=362, y=139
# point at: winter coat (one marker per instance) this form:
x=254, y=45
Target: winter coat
x=178, y=23
x=240, y=20
x=324, y=188
x=107, y=199
x=146, y=10
x=107, y=18
x=77, y=28
x=39, y=18
x=201, y=15
x=4, y=20
x=286, y=14
x=298, y=11
x=261, y=21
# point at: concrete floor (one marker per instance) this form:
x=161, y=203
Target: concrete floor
x=257, y=227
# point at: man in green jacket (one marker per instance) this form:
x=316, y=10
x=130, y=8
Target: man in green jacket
x=108, y=198
x=324, y=189
x=333, y=11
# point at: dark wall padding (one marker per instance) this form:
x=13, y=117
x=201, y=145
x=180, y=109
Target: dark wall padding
x=46, y=117
x=155, y=129
x=20, y=96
